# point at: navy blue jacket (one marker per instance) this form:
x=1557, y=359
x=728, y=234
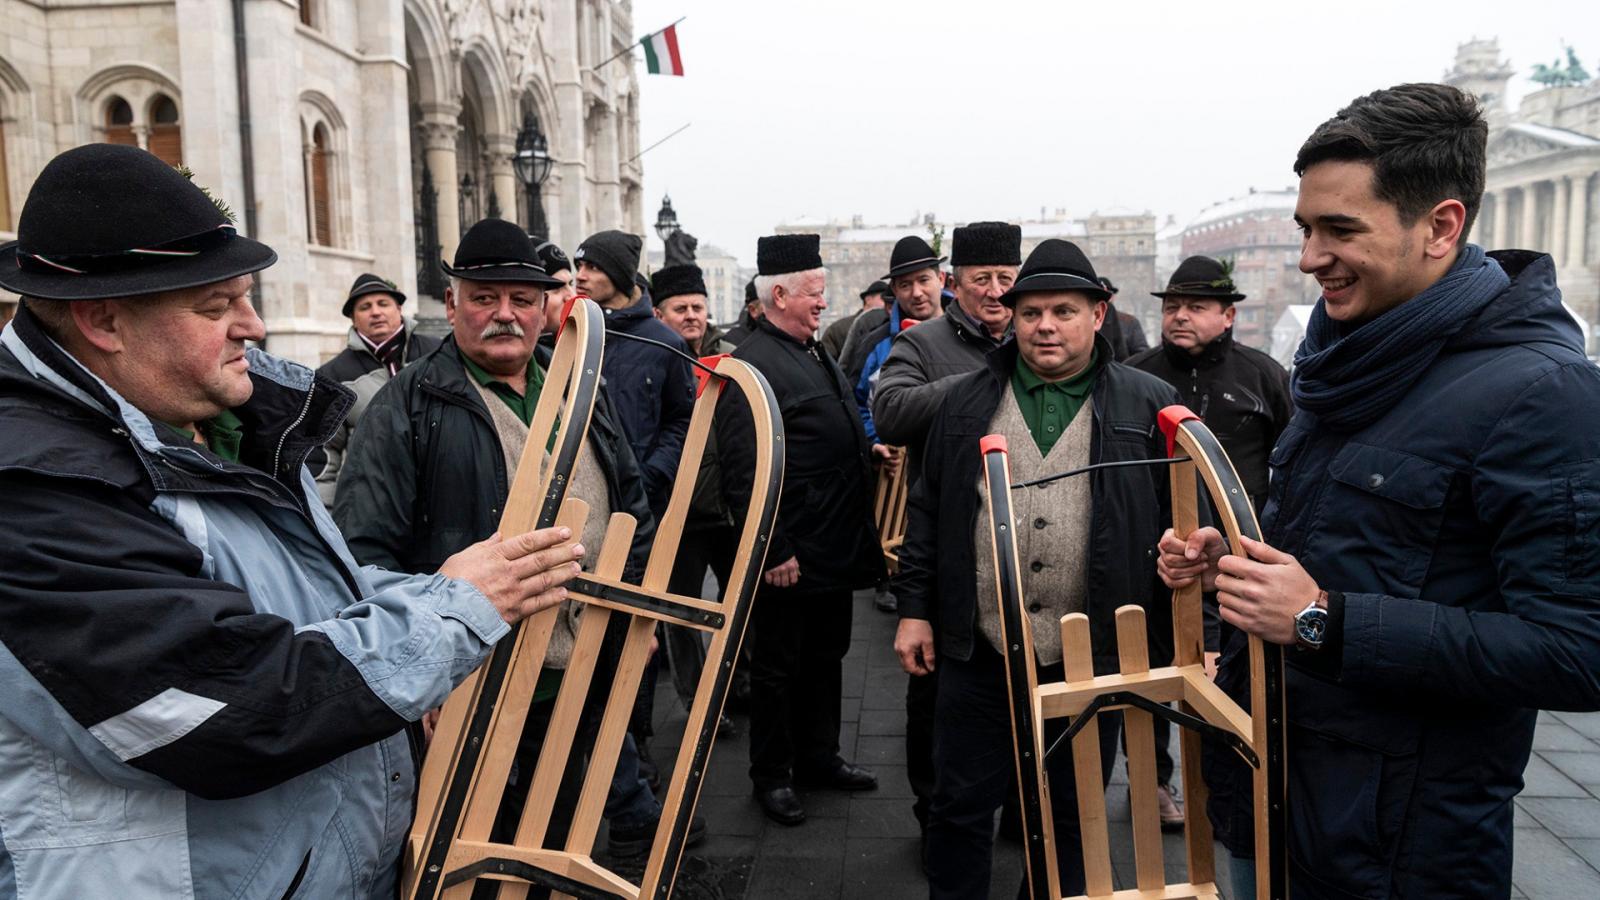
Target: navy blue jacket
x=1461, y=528
x=652, y=392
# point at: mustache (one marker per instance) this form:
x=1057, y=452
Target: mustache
x=497, y=329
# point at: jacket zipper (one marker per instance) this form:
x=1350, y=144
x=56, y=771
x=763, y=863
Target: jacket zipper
x=305, y=410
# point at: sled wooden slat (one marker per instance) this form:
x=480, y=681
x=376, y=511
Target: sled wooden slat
x=451, y=847
x=889, y=509
x=1136, y=688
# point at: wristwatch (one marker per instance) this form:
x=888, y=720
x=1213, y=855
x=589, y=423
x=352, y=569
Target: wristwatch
x=1311, y=624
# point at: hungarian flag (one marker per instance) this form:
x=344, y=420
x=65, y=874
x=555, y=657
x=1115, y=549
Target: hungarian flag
x=661, y=52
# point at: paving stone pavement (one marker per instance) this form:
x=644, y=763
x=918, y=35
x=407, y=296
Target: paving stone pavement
x=865, y=845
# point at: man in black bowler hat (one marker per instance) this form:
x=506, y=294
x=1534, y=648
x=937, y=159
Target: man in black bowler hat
x=1062, y=403
x=923, y=363
x=379, y=334
x=432, y=463
x=747, y=320
x=823, y=545
x=916, y=278
x=1123, y=332
x=205, y=695
x=875, y=296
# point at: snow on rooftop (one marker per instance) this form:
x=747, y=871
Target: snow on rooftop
x=1554, y=135
x=1253, y=202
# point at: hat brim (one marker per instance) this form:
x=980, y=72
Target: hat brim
x=516, y=272
x=1224, y=296
x=915, y=265
x=350, y=301
x=238, y=256
x=1053, y=282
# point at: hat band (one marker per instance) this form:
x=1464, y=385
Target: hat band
x=500, y=265
x=1088, y=282
x=1182, y=287
x=923, y=263
x=123, y=260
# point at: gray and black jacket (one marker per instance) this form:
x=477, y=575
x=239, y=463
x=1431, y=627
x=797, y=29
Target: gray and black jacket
x=206, y=695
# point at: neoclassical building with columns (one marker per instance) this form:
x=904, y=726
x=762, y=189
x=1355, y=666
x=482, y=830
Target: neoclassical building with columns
x=1543, y=190
x=350, y=135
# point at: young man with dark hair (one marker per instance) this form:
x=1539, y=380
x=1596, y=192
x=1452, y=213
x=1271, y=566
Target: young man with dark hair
x=1431, y=550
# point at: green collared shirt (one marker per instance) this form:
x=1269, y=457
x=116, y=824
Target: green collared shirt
x=224, y=433
x=1050, y=406
x=522, y=404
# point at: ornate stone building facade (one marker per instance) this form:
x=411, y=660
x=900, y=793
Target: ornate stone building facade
x=1122, y=246
x=1543, y=191
x=350, y=135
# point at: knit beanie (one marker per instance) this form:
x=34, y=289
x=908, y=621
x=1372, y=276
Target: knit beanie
x=615, y=253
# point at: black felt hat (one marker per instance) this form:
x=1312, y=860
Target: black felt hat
x=369, y=283
x=750, y=292
x=910, y=254
x=497, y=250
x=553, y=258
x=877, y=287
x=107, y=220
x=1201, y=276
x=674, y=281
x=615, y=253
x=1056, y=265
x=1109, y=285
x=780, y=254
x=986, y=244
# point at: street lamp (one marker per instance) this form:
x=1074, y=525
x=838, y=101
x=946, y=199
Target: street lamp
x=532, y=164
x=666, y=220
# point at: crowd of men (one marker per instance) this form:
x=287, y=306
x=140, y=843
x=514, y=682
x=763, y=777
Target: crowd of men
x=236, y=589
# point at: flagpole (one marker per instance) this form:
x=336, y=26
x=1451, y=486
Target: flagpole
x=629, y=48
x=658, y=143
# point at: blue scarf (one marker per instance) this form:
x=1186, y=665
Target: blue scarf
x=1350, y=379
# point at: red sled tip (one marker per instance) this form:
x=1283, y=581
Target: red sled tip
x=992, y=442
x=1169, y=419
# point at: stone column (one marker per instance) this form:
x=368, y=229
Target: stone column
x=1530, y=217
x=1561, y=201
x=1577, y=220
x=1502, y=219
x=500, y=148
x=439, y=127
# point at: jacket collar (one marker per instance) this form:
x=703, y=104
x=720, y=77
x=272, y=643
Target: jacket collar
x=1209, y=355
x=766, y=326
x=968, y=328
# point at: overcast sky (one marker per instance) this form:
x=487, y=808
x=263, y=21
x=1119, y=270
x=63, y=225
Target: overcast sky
x=993, y=109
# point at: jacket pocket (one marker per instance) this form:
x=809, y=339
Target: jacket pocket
x=1380, y=491
x=1348, y=813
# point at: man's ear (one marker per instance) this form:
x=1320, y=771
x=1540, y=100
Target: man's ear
x=1100, y=307
x=1228, y=311
x=450, y=305
x=1445, y=224
x=101, y=322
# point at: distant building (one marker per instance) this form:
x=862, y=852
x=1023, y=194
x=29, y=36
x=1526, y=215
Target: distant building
x=1543, y=192
x=1121, y=244
x=1258, y=233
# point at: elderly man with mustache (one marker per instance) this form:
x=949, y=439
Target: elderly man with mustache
x=430, y=468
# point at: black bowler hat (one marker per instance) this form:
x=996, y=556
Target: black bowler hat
x=1202, y=276
x=910, y=254
x=750, y=292
x=551, y=257
x=877, y=287
x=674, y=281
x=1056, y=265
x=780, y=254
x=497, y=250
x=108, y=220
x=986, y=244
x=371, y=284
x=1108, y=284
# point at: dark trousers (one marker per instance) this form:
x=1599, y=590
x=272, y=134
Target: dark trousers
x=921, y=693
x=800, y=640
x=973, y=753
x=700, y=549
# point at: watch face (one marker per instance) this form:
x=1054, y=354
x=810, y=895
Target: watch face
x=1311, y=626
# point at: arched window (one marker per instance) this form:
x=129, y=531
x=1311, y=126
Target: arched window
x=119, y=122
x=320, y=212
x=166, y=136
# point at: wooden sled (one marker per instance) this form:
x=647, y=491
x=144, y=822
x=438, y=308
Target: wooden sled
x=1142, y=692
x=889, y=511
x=466, y=769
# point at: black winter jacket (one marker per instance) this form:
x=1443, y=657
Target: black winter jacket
x=425, y=475
x=356, y=359
x=652, y=392
x=1130, y=509
x=1461, y=530
x=1240, y=393
x=825, y=515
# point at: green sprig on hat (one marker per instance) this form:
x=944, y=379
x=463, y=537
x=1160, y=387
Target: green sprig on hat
x=222, y=205
x=1226, y=281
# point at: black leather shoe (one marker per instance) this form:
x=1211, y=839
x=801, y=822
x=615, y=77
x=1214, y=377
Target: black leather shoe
x=781, y=806
x=628, y=843
x=843, y=777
